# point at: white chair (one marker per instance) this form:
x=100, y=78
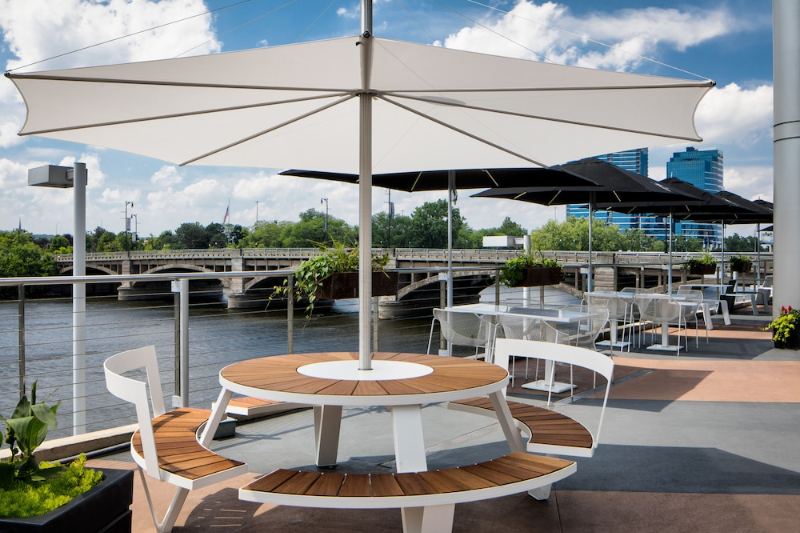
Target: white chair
x=165, y=445
x=617, y=310
x=660, y=309
x=765, y=291
x=464, y=329
x=582, y=333
x=517, y=327
x=690, y=308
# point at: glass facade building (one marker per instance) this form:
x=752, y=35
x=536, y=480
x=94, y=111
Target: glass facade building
x=634, y=161
x=703, y=169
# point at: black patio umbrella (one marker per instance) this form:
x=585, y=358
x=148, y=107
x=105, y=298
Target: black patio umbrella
x=614, y=185
x=450, y=180
x=723, y=207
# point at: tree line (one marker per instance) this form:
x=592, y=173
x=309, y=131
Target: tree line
x=21, y=254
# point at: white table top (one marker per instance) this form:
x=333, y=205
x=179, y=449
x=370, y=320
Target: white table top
x=546, y=314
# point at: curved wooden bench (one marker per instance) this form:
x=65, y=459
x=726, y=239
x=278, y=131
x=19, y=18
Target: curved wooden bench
x=511, y=474
x=547, y=431
x=182, y=460
x=165, y=446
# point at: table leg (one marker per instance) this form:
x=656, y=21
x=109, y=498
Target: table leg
x=512, y=434
x=327, y=422
x=726, y=315
x=217, y=414
x=409, y=450
x=707, y=316
x=665, y=346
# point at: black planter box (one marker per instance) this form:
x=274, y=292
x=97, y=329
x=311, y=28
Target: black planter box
x=793, y=343
x=341, y=285
x=742, y=267
x=105, y=508
x=535, y=277
x=702, y=269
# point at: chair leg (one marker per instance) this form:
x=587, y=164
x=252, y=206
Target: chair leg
x=174, y=510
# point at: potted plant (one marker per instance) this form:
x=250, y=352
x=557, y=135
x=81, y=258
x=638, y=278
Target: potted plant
x=529, y=270
x=705, y=264
x=785, y=331
x=740, y=263
x=334, y=275
x=46, y=497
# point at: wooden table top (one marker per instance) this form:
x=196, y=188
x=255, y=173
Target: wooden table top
x=277, y=378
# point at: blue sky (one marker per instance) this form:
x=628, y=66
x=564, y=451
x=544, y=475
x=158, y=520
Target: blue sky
x=727, y=41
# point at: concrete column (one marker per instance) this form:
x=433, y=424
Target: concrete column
x=786, y=150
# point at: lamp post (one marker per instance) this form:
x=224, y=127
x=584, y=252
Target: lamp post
x=256, y=211
x=127, y=224
x=65, y=177
x=135, y=237
x=325, y=220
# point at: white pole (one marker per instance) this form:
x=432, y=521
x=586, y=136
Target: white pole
x=589, y=280
x=79, y=302
x=669, y=236
x=365, y=193
x=786, y=151
x=184, y=332
x=451, y=185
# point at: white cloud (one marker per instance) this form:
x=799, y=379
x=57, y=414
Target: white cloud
x=736, y=116
x=352, y=12
x=531, y=32
x=166, y=176
x=750, y=182
x=96, y=178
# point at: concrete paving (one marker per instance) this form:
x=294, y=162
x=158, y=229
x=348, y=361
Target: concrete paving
x=702, y=442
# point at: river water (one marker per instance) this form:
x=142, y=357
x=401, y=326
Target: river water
x=217, y=337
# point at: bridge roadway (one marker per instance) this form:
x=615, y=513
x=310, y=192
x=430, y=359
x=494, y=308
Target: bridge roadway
x=419, y=285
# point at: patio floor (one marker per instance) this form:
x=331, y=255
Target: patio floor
x=702, y=442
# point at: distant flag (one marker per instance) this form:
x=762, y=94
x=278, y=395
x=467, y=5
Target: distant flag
x=227, y=213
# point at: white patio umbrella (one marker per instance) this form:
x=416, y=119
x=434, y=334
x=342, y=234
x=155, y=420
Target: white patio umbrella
x=360, y=105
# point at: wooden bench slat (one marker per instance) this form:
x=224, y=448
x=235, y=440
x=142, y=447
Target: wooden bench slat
x=495, y=476
x=269, y=482
x=355, y=485
x=385, y=485
x=299, y=483
x=328, y=484
x=413, y=485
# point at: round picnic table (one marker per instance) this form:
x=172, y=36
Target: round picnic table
x=403, y=382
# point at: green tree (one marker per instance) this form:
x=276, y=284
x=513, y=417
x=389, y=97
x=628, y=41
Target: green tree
x=310, y=232
x=386, y=233
x=216, y=235
x=429, y=225
x=264, y=235
x=737, y=243
x=20, y=257
x=60, y=245
x=191, y=236
x=108, y=243
x=234, y=233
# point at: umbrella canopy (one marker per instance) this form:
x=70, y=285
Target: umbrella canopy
x=358, y=105
x=614, y=184
x=469, y=178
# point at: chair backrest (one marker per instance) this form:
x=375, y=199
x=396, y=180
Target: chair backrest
x=516, y=327
x=616, y=306
x=657, y=307
x=580, y=333
x=463, y=329
x=767, y=282
x=135, y=391
x=639, y=290
x=559, y=353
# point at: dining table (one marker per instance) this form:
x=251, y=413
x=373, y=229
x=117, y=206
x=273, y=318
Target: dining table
x=545, y=314
x=403, y=382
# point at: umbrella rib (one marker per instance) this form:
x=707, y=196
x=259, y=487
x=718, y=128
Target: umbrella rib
x=540, y=117
x=185, y=114
x=709, y=84
x=462, y=132
x=266, y=131
x=79, y=79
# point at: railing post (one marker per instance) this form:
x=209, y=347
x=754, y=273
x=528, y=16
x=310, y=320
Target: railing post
x=184, y=283
x=176, y=298
x=21, y=329
x=375, y=318
x=444, y=346
x=290, y=313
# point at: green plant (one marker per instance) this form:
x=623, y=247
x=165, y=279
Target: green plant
x=705, y=259
x=22, y=500
x=27, y=429
x=739, y=262
x=310, y=276
x=785, y=325
x=514, y=269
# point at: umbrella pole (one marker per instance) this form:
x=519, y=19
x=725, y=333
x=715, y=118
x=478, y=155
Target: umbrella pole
x=451, y=185
x=758, y=252
x=365, y=193
x=589, y=277
x=669, y=236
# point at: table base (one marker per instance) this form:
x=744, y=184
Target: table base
x=664, y=347
x=542, y=385
x=617, y=344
